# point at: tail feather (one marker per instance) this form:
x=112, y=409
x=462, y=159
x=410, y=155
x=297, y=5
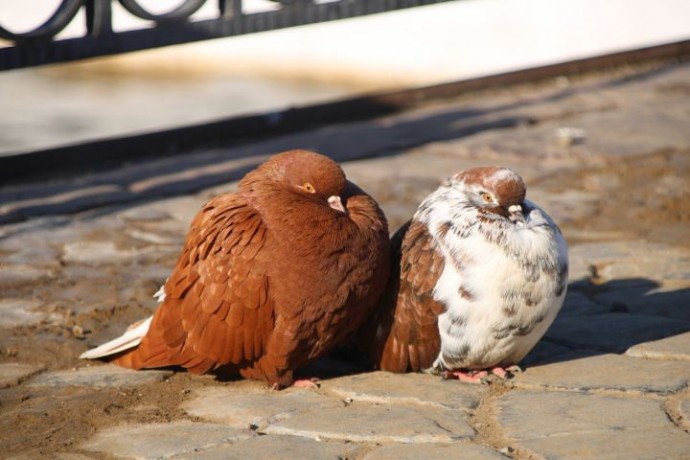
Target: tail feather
x=130, y=339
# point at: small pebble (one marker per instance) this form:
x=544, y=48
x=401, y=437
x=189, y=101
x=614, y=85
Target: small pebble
x=78, y=332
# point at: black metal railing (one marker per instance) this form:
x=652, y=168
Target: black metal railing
x=39, y=46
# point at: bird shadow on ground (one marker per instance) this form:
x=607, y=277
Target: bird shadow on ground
x=596, y=319
x=612, y=317
x=324, y=368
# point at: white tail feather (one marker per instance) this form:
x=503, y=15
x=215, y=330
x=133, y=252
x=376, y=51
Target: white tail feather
x=130, y=339
x=160, y=293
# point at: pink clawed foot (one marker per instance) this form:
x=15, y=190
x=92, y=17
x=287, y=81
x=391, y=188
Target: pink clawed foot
x=311, y=384
x=500, y=373
x=505, y=373
x=482, y=376
x=475, y=377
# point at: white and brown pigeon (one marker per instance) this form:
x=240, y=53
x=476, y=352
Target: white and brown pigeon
x=479, y=274
x=270, y=278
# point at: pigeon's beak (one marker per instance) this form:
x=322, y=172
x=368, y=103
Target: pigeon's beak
x=336, y=203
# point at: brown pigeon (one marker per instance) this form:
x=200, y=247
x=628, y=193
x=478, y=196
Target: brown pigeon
x=479, y=274
x=270, y=278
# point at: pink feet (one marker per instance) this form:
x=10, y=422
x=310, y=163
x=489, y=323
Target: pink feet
x=475, y=377
x=311, y=384
x=482, y=376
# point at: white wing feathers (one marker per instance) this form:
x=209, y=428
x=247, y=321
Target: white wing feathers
x=130, y=339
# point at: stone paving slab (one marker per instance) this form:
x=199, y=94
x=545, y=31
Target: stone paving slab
x=434, y=452
x=588, y=426
x=578, y=304
x=162, y=440
x=74, y=457
x=256, y=409
x=676, y=347
x=546, y=352
x=609, y=372
x=312, y=415
x=376, y=424
x=274, y=447
x=669, y=303
x=666, y=263
x=12, y=275
x=91, y=252
x=105, y=376
x=12, y=374
x=18, y=312
x=417, y=389
x=613, y=332
x=30, y=249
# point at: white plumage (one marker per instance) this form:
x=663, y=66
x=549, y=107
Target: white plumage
x=502, y=273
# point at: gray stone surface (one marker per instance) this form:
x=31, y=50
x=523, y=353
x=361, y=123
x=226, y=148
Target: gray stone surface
x=256, y=409
x=12, y=275
x=377, y=423
x=96, y=252
x=31, y=250
x=545, y=352
x=669, y=303
x=419, y=389
x=274, y=447
x=578, y=304
x=588, y=426
x=609, y=372
x=676, y=347
x=457, y=450
x=98, y=376
x=74, y=457
x=162, y=440
x=615, y=332
x=12, y=374
x=19, y=312
x=664, y=262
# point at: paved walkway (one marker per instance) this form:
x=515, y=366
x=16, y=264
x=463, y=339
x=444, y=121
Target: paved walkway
x=608, y=156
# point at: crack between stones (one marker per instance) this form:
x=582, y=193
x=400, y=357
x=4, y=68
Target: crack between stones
x=650, y=395
x=489, y=431
x=671, y=407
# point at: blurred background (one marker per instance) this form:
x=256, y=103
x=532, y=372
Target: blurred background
x=195, y=83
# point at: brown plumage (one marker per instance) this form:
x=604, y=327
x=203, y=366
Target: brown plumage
x=407, y=322
x=272, y=276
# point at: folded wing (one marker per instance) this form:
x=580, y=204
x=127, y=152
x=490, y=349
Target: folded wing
x=217, y=308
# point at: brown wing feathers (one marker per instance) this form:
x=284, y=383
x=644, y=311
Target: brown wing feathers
x=412, y=317
x=212, y=313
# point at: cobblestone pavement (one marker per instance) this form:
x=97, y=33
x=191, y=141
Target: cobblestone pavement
x=607, y=155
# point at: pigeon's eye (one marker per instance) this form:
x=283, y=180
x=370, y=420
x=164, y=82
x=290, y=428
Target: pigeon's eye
x=307, y=187
x=487, y=197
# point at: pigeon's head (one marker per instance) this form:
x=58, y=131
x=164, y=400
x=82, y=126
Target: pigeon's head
x=493, y=190
x=310, y=175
